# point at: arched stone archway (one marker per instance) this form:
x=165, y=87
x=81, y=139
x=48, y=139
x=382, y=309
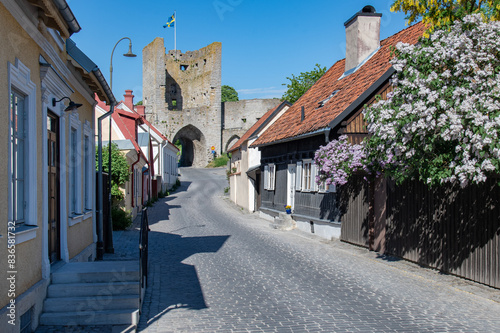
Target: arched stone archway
x=193, y=146
x=232, y=140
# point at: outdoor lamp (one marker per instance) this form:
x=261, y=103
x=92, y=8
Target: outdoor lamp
x=72, y=106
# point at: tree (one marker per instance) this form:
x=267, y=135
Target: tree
x=228, y=94
x=441, y=124
x=119, y=169
x=439, y=13
x=300, y=84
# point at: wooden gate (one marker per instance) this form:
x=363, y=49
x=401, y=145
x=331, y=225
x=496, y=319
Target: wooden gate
x=354, y=210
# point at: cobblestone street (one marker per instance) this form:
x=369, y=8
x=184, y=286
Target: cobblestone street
x=214, y=268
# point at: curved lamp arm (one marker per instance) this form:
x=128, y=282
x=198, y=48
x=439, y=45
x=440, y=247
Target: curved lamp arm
x=128, y=54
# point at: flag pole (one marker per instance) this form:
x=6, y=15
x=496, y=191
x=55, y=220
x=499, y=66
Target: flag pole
x=175, y=33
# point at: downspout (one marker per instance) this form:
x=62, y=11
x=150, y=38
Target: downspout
x=133, y=176
x=100, y=225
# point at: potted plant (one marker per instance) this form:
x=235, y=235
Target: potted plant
x=288, y=209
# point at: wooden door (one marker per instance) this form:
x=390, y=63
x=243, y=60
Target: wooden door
x=53, y=177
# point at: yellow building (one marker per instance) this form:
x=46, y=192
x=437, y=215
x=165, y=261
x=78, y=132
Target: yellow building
x=47, y=171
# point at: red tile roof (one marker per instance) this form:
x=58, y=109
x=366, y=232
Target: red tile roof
x=267, y=116
x=134, y=115
x=349, y=88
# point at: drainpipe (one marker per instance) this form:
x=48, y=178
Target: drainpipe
x=133, y=177
x=100, y=224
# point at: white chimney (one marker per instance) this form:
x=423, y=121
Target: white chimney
x=362, y=32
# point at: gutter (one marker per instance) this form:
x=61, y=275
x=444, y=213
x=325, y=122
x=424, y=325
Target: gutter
x=325, y=131
x=68, y=16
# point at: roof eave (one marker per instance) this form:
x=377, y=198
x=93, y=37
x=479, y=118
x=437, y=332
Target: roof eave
x=321, y=131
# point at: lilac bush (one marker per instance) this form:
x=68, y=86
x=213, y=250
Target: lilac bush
x=338, y=160
x=441, y=123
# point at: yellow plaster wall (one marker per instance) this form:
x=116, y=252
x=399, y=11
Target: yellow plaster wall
x=79, y=235
x=17, y=44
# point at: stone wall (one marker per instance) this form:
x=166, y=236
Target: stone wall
x=241, y=115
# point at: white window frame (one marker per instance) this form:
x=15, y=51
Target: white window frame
x=19, y=80
x=298, y=176
x=314, y=173
x=75, y=169
x=88, y=162
x=272, y=176
x=307, y=170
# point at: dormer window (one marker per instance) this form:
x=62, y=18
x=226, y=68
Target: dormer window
x=323, y=102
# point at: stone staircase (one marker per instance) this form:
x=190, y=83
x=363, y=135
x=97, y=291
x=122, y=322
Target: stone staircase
x=93, y=293
x=283, y=222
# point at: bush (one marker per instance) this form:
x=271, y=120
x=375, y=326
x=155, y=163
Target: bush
x=219, y=161
x=121, y=219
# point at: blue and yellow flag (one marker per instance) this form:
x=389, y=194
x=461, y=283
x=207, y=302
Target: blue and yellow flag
x=170, y=22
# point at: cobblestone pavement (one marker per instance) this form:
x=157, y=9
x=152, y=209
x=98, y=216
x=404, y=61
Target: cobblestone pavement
x=214, y=268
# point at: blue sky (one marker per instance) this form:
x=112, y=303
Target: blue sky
x=263, y=41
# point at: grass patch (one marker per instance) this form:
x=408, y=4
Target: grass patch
x=219, y=161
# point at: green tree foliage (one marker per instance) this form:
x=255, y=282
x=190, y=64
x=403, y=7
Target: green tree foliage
x=442, y=13
x=300, y=84
x=228, y=94
x=119, y=169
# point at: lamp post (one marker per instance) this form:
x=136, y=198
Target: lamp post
x=109, y=235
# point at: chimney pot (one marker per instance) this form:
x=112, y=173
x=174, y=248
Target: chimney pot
x=362, y=36
x=129, y=99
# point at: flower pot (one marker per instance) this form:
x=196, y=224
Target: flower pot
x=288, y=211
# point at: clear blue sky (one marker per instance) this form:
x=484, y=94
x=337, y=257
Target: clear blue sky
x=263, y=41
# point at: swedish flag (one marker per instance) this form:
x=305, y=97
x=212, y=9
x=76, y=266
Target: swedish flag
x=170, y=22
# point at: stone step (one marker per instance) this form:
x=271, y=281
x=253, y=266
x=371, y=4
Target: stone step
x=100, y=271
x=109, y=317
x=90, y=303
x=93, y=289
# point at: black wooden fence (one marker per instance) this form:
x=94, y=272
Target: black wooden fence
x=448, y=228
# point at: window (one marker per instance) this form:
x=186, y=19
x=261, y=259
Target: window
x=307, y=176
x=298, y=176
x=75, y=167
x=88, y=167
x=269, y=177
x=272, y=174
x=22, y=145
x=322, y=187
x=73, y=173
x=17, y=156
x=26, y=320
x=87, y=175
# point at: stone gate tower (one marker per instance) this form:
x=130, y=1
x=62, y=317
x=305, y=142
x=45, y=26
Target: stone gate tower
x=182, y=95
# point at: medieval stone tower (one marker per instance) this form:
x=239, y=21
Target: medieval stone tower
x=182, y=96
x=182, y=92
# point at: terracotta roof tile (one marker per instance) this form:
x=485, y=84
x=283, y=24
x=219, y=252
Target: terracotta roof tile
x=349, y=88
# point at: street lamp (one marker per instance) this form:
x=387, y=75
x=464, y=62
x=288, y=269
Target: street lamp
x=109, y=236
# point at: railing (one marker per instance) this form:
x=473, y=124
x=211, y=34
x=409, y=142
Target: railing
x=143, y=248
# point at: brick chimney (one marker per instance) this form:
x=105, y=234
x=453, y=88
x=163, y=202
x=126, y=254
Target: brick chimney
x=362, y=33
x=140, y=109
x=129, y=99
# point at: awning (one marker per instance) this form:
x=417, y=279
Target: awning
x=253, y=171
